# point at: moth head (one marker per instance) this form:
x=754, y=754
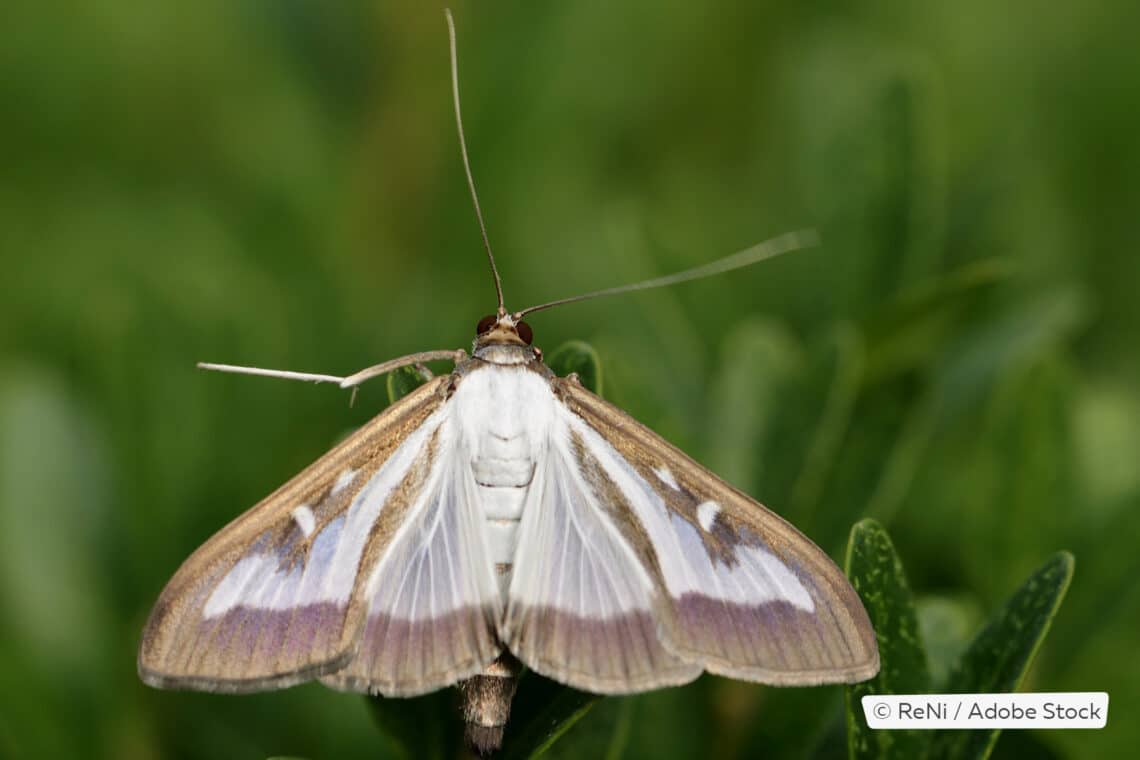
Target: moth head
x=503, y=329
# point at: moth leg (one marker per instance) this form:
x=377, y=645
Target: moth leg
x=278, y=373
x=344, y=382
x=380, y=369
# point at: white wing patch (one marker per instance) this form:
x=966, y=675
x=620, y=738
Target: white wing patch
x=305, y=520
x=706, y=514
x=250, y=581
x=755, y=576
x=437, y=562
x=330, y=572
x=231, y=591
x=344, y=480
x=570, y=556
x=366, y=506
x=666, y=477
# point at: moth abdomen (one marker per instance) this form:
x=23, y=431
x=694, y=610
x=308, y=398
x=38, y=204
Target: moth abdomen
x=486, y=704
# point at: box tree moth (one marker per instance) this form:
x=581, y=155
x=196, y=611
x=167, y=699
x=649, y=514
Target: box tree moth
x=497, y=517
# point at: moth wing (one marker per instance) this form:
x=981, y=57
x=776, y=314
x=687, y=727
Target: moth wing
x=742, y=593
x=433, y=596
x=279, y=596
x=580, y=606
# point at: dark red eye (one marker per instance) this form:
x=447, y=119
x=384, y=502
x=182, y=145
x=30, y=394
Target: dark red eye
x=485, y=324
x=525, y=332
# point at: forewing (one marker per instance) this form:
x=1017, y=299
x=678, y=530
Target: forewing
x=745, y=594
x=276, y=597
x=581, y=602
x=432, y=596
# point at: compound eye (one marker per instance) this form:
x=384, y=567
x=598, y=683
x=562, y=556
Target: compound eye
x=525, y=332
x=485, y=324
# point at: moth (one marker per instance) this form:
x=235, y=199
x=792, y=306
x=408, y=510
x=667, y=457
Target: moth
x=498, y=517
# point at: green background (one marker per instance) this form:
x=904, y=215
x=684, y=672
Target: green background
x=278, y=183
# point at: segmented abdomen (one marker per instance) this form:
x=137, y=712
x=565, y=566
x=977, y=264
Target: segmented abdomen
x=503, y=472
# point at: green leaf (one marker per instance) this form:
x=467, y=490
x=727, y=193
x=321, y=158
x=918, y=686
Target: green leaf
x=577, y=356
x=1002, y=652
x=542, y=713
x=877, y=575
x=404, y=380
x=948, y=624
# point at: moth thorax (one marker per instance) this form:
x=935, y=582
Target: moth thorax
x=486, y=704
x=505, y=354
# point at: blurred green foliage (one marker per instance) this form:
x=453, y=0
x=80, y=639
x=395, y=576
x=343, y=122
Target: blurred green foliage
x=279, y=184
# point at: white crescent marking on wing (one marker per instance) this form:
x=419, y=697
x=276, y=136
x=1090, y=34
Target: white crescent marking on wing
x=666, y=477
x=305, y=520
x=706, y=514
x=344, y=480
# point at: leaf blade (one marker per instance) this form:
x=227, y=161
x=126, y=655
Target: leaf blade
x=877, y=574
x=404, y=380
x=578, y=356
x=1000, y=655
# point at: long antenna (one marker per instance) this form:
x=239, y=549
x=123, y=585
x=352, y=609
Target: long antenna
x=466, y=163
x=786, y=243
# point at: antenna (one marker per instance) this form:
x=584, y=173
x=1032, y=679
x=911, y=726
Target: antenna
x=769, y=249
x=466, y=163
